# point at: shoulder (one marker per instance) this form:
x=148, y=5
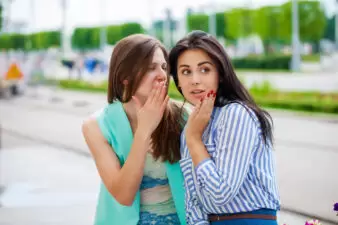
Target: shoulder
x=93, y=125
x=178, y=109
x=91, y=131
x=90, y=124
x=237, y=111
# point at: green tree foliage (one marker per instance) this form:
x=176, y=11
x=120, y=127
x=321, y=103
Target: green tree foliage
x=330, y=29
x=312, y=21
x=239, y=23
x=198, y=22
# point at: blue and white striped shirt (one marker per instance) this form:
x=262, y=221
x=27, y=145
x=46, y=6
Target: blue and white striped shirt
x=239, y=176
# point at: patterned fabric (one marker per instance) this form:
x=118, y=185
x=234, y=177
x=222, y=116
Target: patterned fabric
x=157, y=205
x=239, y=176
x=154, y=219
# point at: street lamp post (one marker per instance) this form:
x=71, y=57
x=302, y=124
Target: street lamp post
x=63, y=26
x=151, y=7
x=336, y=23
x=296, y=58
x=212, y=19
x=103, y=30
x=6, y=14
x=167, y=28
x=32, y=15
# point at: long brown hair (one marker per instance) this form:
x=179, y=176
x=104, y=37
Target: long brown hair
x=230, y=87
x=130, y=60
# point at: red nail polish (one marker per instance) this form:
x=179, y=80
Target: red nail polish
x=201, y=99
x=211, y=91
x=208, y=95
x=214, y=95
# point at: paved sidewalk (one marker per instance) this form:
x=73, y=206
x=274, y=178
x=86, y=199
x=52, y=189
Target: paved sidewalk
x=46, y=186
x=306, y=149
x=49, y=186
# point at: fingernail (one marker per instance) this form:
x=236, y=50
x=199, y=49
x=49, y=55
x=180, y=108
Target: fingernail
x=201, y=99
x=211, y=91
x=214, y=95
x=208, y=95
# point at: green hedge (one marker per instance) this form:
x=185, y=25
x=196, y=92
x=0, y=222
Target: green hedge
x=266, y=96
x=307, y=105
x=263, y=62
x=311, y=58
x=263, y=94
x=34, y=41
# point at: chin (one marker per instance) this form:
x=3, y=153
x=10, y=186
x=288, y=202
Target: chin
x=193, y=101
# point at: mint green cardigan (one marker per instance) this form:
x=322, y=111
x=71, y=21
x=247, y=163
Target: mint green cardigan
x=115, y=127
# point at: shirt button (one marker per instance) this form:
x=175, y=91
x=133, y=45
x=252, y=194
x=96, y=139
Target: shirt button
x=200, y=182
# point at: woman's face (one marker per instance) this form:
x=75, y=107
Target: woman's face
x=197, y=75
x=156, y=73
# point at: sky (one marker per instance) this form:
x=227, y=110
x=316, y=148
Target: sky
x=47, y=14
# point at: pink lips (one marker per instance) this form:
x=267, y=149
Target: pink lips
x=198, y=93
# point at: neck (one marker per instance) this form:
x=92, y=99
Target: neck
x=130, y=109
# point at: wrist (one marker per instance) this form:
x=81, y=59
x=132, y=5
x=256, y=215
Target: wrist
x=197, y=151
x=141, y=135
x=193, y=135
x=192, y=141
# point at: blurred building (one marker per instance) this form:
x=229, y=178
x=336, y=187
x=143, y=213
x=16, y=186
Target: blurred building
x=10, y=26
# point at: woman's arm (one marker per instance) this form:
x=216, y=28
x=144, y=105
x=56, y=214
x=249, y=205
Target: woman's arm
x=122, y=182
x=236, y=137
x=194, y=210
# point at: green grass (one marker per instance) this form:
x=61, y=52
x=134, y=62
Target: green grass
x=83, y=86
x=264, y=94
x=304, y=113
x=311, y=58
x=269, y=71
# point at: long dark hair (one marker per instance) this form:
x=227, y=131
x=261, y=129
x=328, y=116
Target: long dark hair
x=230, y=87
x=130, y=60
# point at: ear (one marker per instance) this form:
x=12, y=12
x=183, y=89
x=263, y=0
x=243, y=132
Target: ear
x=125, y=82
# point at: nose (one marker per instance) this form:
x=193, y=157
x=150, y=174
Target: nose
x=195, y=79
x=161, y=75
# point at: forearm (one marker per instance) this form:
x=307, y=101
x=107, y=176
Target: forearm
x=130, y=176
x=211, y=181
x=197, y=150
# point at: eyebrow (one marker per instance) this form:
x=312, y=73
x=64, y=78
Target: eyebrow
x=158, y=63
x=184, y=65
x=205, y=62
x=199, y=64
